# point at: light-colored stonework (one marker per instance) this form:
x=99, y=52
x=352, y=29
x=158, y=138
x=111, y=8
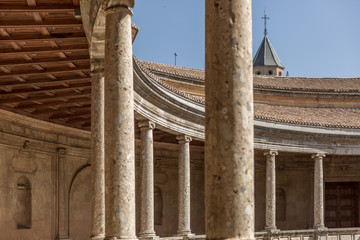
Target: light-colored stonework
x=184, y=186
x=98, y=151
x=318, y=191
x=229, y=148
x=148, y=183
x=270, y=194
x=147, y=180
x=119, y=123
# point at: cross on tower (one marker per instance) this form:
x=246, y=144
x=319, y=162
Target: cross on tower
x=265, y=18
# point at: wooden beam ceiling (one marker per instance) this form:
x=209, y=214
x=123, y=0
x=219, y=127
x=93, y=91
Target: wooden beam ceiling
x=45, y=65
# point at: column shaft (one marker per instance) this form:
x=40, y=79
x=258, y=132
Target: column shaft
x=229, y=148
x=97, y=150
x=119, y=124
x=270, y=213
x=318, y=191
x=63, y=200
x=184, y=186
x=147, y=180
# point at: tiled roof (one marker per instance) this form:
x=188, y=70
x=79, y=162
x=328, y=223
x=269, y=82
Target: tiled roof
x=147, y=69
x=299, y=115
x=308, y=84
x=267, y=82
x=325, y=117
x=174, y=70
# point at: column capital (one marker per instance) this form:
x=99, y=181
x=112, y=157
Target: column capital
x=318, y=156
x=97, y=66
x=61, y=152
x=116, y=4
x=183, y=138
x=146, y=124
x=271, y=152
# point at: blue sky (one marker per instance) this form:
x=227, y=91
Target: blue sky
x=313, y=38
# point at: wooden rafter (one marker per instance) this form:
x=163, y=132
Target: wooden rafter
x=43, y=82
x=61, y=110
x=44, y=98
x=54, y=71
x=15, y=63
x=56, y=104
x=46, y=50
x=44, y=61
x=78, y=118
x=42, y=39
x=45, y=23
x=83, y=114
x=39, y=8
x=47, y=89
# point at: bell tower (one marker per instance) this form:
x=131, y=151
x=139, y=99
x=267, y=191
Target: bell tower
x=266, y=61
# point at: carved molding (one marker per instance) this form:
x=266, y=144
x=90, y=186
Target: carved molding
x=146, y=124
x=271, y=153
x=182, y=138
x=318, y=156
x=24, y=160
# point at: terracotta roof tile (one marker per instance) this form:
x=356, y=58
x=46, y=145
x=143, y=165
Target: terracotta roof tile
x=323, y=117
x=326, y=117
x=268, y=82
x=174, y=70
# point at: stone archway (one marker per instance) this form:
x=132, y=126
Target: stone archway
x=80, y=205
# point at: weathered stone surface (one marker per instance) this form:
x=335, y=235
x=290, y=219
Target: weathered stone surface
x=147, y=180
x=122, y=3
x=318, y=191
x=97, y=150
x=184, y=186
x=229, y=173
x=119, y=126
x=270, y=212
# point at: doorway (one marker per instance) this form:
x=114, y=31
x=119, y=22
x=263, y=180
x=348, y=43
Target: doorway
x=341, y=204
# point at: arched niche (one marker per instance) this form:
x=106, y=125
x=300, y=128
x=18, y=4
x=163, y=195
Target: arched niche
x=158, y=206
x=23, y=203
x=80, y=204
x=280, y=204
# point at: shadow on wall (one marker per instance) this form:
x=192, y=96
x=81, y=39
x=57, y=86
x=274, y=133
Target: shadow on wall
x=23, y=203
x=80, y=205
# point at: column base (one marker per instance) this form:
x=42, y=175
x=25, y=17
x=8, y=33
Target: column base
x=185, y=234
x=121, y=237
x=145, y=236
x=97, y=237
x=272, y=230
x=320, y=228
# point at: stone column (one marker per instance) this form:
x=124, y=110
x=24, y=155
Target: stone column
x=229, y=134
x=318, y=191
x=119, y=123
x=147, y=181
x=184, y=186
x=63, y=200
x=270, y=211
x=97, y=151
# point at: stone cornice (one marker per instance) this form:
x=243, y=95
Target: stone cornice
x=178, y=112
x=271, y=153
x=146, y=124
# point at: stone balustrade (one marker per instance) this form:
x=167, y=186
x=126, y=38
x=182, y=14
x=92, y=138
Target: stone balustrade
x=310, y=234
x=306, y=234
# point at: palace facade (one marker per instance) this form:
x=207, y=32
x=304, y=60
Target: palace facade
x=97, y=144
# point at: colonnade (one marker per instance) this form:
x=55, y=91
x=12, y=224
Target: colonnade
x=229, y=150
x=270, y=211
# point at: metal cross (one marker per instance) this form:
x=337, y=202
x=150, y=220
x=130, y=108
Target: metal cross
x=265, y=18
